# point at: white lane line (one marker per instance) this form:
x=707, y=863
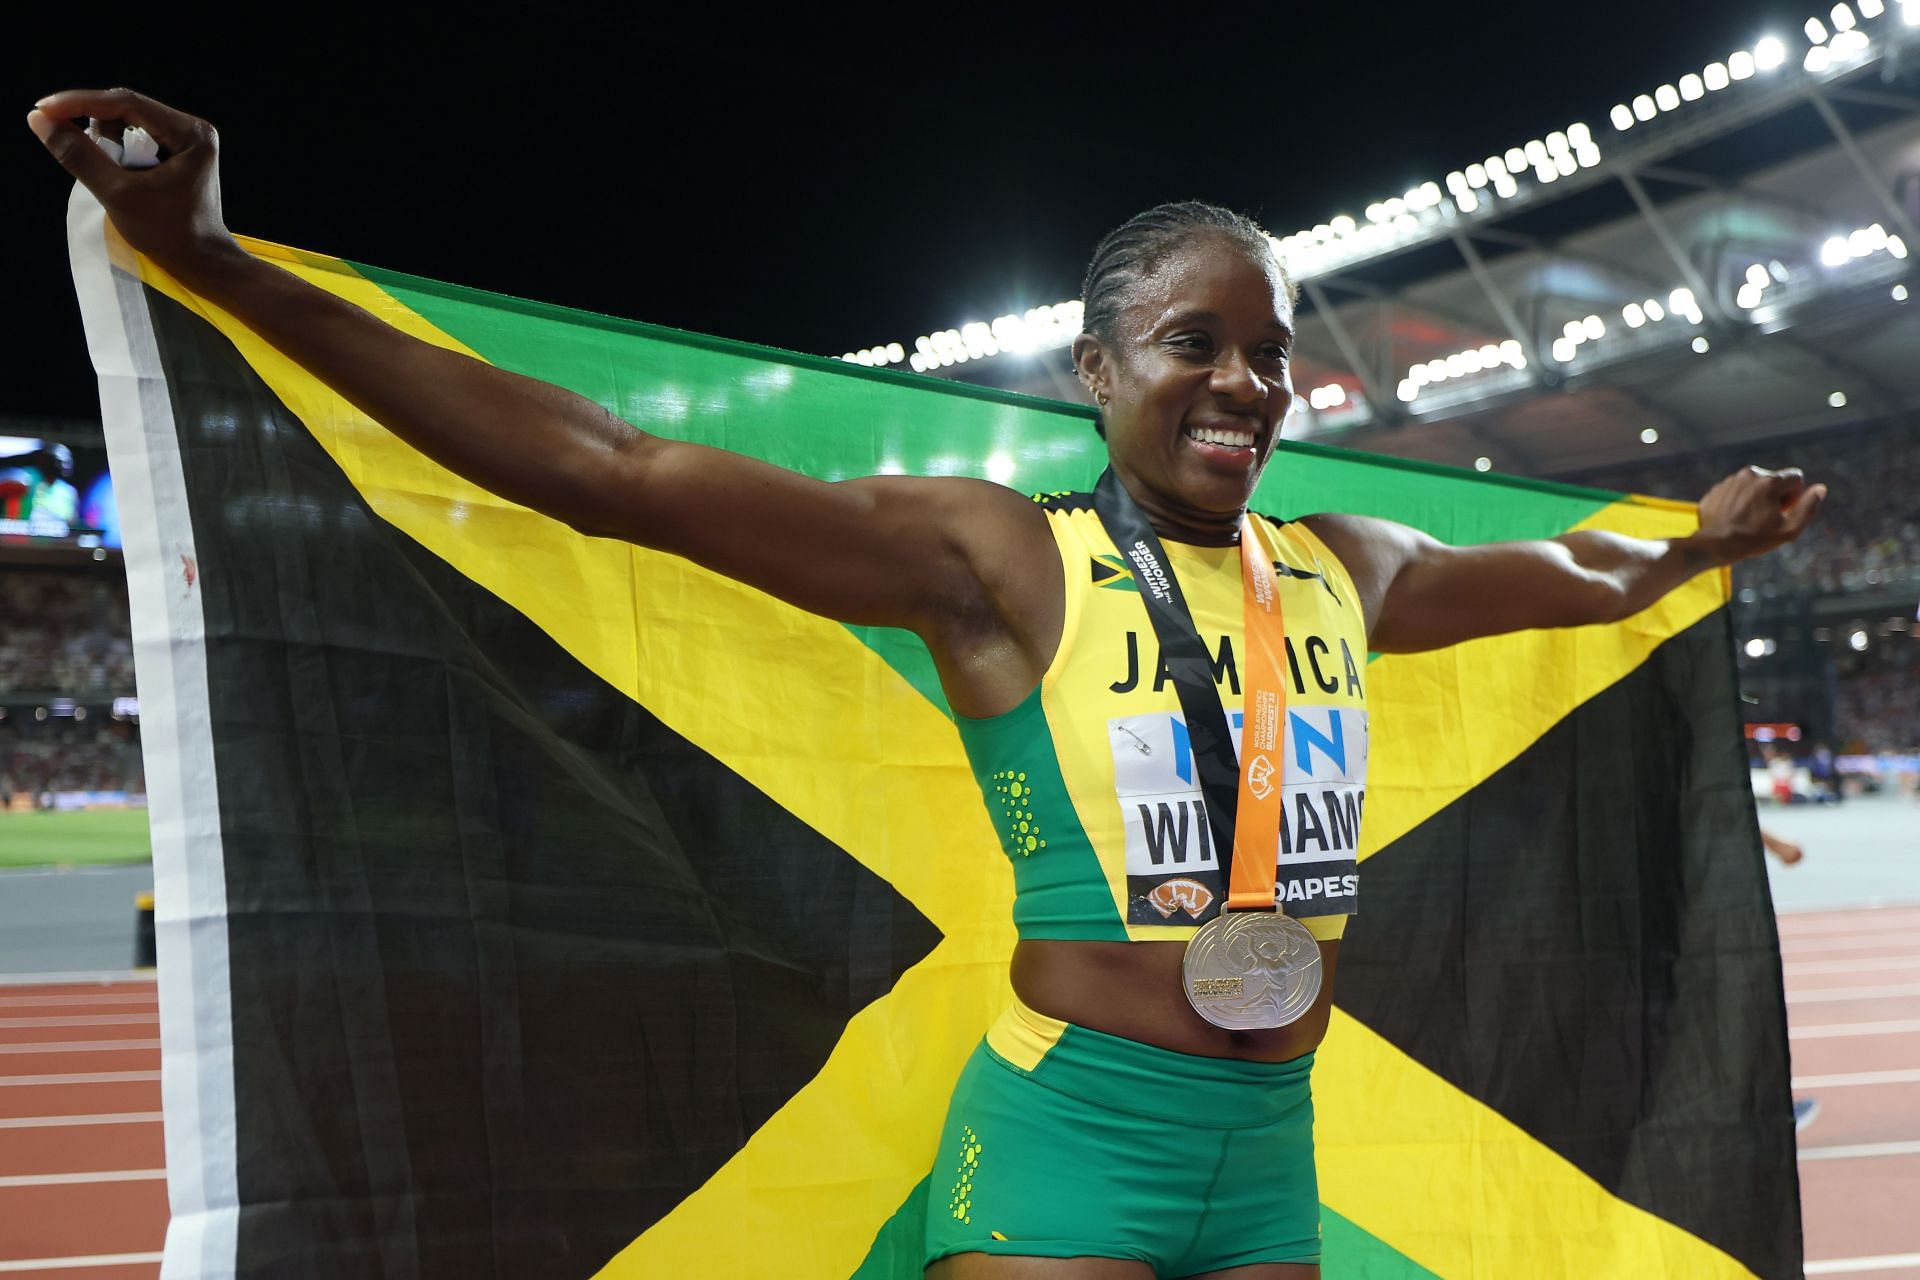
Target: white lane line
x=1840, y=1080
x=89, y=1020
x=1861, y=1150
x=104, y=978
x=79, y=1046
x=1854, y=1266
x=1855, y=964
x=76, y=1179
x=1835, y=1030
x=1811, y=924
x=44, y=1002
x=77, y=1262
x=1851, y=942
x=63, y=1122
x=81, y=1077
x=1838, y=993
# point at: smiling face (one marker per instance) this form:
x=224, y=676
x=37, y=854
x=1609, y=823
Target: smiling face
x=1196, y=384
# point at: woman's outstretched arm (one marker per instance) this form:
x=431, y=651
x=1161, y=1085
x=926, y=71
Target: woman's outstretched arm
x=896, y=551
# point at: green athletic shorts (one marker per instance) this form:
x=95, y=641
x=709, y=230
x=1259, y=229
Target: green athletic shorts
x=1062, y=1142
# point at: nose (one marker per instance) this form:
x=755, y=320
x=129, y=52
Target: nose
x=1235, y=380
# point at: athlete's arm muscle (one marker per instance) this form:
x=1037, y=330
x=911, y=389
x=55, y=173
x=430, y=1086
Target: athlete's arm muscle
x=1421, y=594
x=944, y=557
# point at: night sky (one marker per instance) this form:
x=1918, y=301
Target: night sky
x=820, y=182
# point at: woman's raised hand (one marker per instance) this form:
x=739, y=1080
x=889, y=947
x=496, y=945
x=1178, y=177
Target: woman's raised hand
x=170, y=212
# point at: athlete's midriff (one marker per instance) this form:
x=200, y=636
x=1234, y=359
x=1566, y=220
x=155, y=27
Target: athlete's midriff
x=1134, y=990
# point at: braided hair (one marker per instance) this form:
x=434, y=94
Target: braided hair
x=1131, y=253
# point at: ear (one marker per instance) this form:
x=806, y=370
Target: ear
x=1090, y=364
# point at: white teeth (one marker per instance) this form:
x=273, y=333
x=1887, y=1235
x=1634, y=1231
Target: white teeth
x=1232, y=439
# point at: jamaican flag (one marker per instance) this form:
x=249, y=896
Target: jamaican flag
x=534, y=905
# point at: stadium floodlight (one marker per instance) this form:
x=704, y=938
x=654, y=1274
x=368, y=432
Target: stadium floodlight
x=1563, y=349
x=1407, y=390
x=1701, y=346
x=1343, y=224
x=1649, y=435
x=1816, y=31
x=1516, y=160
x=1899, y=293
x=1587, y=157
x=1910, y=12
x=1741, y=64
x=1666, y=97
x=1896, y=246
x=1858, y=641
x=1634, y=315
x=1714, y=77
x=1655, y=312
x=1483, y=463
x=1819, y=59
x=1756, y=647
x=1748, y=297
x=1691, y=88
x=1849, y=44
x=1476, y=176
x=1768, y=54
x=1872, y=8
x=1579, y=135
x=1565, y=165
x=1682, y=303
x=1622, y=116
x=1838, y=399
x=1595, y=327
x=1758, y=277
x=1535, y=152
x=1834, y=252
x=1842, y=18
x=1574, y=331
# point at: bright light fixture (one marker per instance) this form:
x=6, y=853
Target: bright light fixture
x=1666, y=97
x=1849, y=44
x=1595, y=327
x=1757, y=276
x=1842, y=18
x=1633, y=315
x=1741, y=64
x=1715, y=76
x=1483, y=463
x=1768, y=54
x=1691, y=88
x=1756, y=647
x=1871, y=8
x=1834, y=252
x=1899, y=293
x=1819, y=60
x=1701, y=346
x=1644, y=108
x=1816, y=31
x=1649, y=436
x=1857, y=641
x=1837, y=399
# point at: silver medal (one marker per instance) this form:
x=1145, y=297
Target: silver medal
x=1248, y=970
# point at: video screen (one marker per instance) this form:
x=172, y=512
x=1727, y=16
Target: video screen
x=53, y=494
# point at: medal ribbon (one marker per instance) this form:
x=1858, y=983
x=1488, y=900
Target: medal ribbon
x=1228, y=788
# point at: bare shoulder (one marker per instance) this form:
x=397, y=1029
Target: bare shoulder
x=1372, y=549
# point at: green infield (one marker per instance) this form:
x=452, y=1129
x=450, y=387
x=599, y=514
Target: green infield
x=73, y=838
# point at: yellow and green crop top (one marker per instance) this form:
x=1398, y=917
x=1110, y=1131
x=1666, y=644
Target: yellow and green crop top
x=1091, y=782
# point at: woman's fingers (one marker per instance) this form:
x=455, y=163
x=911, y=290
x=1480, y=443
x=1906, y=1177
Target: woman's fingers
x=171, y=128
x=78, y=154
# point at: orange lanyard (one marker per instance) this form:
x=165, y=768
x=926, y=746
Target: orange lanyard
x=1263, y=733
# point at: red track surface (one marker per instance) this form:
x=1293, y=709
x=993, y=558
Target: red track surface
x=80, y=1097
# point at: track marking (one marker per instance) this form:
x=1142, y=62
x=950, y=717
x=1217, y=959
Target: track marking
x=1851, y=942
x=1861, y=1150
x=1858, y=964
x=1794, y=923
x=44, y=1002
x=1835, y=993
x=78, y=1262
x=1834, y=1030
x=79, y=1046
x=1906, y=1075
x=90, y=1020
x=104, y=978
x=74, y=1179
x=82, y=1077
x=1849, y=1266
x=62, y=1122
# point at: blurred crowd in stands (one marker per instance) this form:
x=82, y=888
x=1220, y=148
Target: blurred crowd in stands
x=65, y=633
x=66, y=652
x=1877, y=697
x=1868, y=534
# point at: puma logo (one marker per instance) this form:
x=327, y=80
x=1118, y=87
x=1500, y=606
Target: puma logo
x=1182, y=894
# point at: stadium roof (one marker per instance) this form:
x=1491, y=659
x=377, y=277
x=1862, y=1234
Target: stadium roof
x=1723, y=259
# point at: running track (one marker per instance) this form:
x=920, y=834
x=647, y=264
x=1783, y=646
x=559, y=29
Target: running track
x=81, y=1163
